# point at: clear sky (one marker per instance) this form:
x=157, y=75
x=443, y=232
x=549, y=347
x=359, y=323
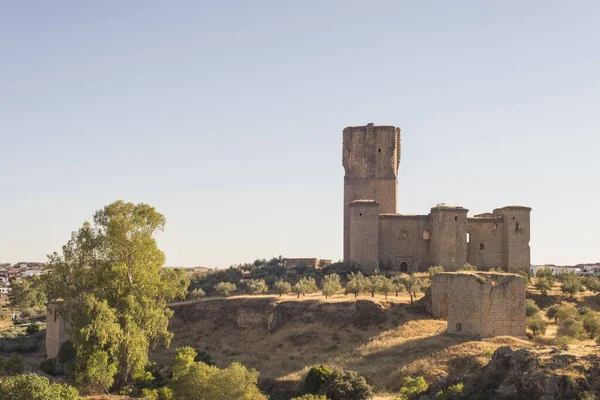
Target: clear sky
x=228, y=117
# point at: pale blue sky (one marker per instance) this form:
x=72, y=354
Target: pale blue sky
x=227, y=117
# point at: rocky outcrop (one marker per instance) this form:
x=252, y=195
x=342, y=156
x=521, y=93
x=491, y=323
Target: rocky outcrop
x=529, y=374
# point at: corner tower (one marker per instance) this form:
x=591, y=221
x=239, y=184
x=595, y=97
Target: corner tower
x=371, y=157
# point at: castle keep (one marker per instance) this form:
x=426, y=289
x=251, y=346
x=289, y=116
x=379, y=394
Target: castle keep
x=375, y=234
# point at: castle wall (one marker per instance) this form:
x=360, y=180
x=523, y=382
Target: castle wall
x=56, y=332
x=516, y=237
x=480, y=304
x=404, y=239
x=449, y=237
x=364, y=234
x=370, y=156
x=486, y=246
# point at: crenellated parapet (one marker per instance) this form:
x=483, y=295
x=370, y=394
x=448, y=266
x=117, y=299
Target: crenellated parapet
x=405, y=217
x=363, y=203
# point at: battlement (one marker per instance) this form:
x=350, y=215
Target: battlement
x=454, y=209
x=486, y=220
x=363, y=203
x=405, y=216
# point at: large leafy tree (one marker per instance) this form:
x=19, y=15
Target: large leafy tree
x=111, y=279
x=35, y=387
x=29, y=295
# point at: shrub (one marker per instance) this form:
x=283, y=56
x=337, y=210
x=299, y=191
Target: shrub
x=225, y=288
x=256, y=286
x=315, y=378
x=453, y=390
x=537, y=325
x=13, y=365
x=346, y=386
x=531, y=308
x=33, y=328
x=282, y=287
x=567, y=311
x=47, y=367
x=545, y=273
x=411, y=388
x=572, y=328
x=543, y=285
x=591, y=324
x=434, y=270
x=468, y=267
x=36, y=387
x=571, y=284
x=196, y=294
x=552, y=312
x=310, y=397
x=592, y=283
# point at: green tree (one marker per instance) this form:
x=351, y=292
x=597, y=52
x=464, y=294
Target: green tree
x=531, y=308
x=374, y=283
x=552, y=312
x=543, y=285
x=434, y=270
x=315, y=378
x=411, y=388
x=199, y=381
x=35, y=387
x=545, y=273
x=282, y=287
x=299, y=289
x=356, y=283
x=29, y=295
x=311, y=397
x=571, y=327
x=346, y=386
x=116, y=293
x=591, y=324
x=256, y=286
x=537, y=325
x=571, y=284
x=13, y=365
x=225, y=288
x=331, y=285
x=398, y=283
x=567, y=311
x=592, y=283
x=413, y=285
x=386, y=286
x=309, y=284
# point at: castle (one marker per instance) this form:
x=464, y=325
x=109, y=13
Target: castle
x=376, y=235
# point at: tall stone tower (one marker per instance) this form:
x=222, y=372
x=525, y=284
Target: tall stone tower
x=371, y=157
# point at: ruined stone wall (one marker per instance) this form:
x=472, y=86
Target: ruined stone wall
x=449, y=237
x=486, y=245
x=405, y=238
x=364, y=234
x=480, y=304
x=370, y=156
x=56, y=332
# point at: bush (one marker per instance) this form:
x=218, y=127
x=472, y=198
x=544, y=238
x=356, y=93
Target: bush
x=346, y=386
x=282, y=287
x=411, y=388
x=315, y=378
x=453, y=390
x=310, y=397
x=13, y=365
x=531, y=308
x=572, y=328
x=35, y=387
x=47, y=367
x=468, y=267
x=434, y=270
x=552, y=312
x=33, y=328
x=591, y=324
x=225, y=288
x=537, y=325
x=544, y=285
x=256, y=286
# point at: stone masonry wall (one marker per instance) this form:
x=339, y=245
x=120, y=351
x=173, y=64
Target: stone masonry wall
x=486, y=245
x=56, y=333
x=480, y=304
x=404, y=238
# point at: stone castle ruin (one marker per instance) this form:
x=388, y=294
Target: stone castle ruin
x=480, y=304
x=375, y=233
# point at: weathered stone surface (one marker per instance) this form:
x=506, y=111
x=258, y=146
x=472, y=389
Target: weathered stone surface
x=480, y=304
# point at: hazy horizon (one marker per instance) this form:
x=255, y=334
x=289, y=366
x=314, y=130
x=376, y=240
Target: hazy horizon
x=228, y=119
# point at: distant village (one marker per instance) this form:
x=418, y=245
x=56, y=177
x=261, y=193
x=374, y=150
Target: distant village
x=579, y=269
x=15, y=272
